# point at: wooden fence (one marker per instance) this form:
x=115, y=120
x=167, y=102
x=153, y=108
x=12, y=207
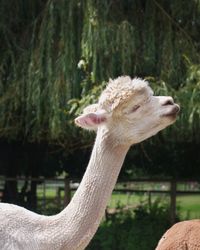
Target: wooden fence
x=64, y=187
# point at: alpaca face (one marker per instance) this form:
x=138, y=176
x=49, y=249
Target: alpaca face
x=144, y=118
x=129, y=111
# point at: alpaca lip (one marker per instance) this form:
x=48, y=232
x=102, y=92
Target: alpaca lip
x=173, y=111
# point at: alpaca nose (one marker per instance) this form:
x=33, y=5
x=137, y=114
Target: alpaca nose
x=168, y=100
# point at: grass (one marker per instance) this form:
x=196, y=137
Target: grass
x=187, y=205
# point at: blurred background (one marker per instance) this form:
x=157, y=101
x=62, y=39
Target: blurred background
x=55, y=59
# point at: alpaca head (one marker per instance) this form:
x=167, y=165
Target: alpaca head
x=129, y=111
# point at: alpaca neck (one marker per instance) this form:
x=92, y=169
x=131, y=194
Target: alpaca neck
x=81, y=218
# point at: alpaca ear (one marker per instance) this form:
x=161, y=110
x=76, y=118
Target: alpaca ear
x=91, y=120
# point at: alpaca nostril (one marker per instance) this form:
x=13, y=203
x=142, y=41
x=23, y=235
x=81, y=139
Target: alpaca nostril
x=169, y=101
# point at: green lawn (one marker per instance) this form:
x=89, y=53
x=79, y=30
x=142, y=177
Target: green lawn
x=187, y=205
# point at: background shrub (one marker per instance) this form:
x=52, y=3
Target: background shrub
x=138, y=229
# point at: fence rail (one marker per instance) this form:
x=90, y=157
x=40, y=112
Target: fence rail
x=64, y=187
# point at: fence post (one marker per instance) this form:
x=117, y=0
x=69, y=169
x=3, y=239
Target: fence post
x=173, y=202
x=44, y=195
x=149, y=199
x=67, y=191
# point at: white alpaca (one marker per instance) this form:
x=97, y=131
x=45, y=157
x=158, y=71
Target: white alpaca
x=127, y=113
x=184, y=235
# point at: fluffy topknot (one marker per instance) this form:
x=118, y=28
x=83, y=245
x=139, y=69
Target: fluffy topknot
x=120, y=90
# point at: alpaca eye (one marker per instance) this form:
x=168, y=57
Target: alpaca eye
x=136, y=107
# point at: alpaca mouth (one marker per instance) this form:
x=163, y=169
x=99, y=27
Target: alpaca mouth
x=173, y=112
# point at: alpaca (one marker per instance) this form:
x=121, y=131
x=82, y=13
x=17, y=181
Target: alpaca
x=183, y=235
x=127, y=113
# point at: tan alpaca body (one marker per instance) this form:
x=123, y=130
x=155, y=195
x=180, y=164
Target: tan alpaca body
x=127, y=113
x=184, y=235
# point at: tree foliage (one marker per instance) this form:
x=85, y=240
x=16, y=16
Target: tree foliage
x=56, y=57
x=42, y=43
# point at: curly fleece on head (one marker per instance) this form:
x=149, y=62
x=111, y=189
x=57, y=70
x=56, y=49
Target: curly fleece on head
x=120, y=91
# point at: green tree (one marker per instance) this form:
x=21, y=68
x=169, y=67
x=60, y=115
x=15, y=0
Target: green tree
x=56, y=55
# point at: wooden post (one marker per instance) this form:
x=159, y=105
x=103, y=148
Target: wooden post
x=173, y=202
x=58, y=196
x=149, y=199
x=67, y=192
x=44, y=195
